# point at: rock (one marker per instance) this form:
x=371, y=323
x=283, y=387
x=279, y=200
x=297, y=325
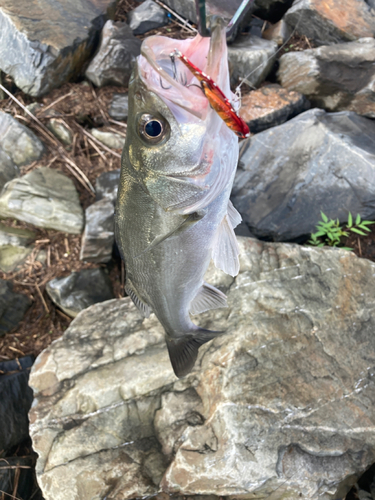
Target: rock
x=15, y=402
x=12, y=307
x=222, y=8
x=45, y=198
x=106, y=185
x=338, y=77
x=289, y=174
x=99, y=234
x=271, y=105
x=147, y=16
x=60, y=130
x=13, y=256
x=250, y=58
x=8, y=170
x=110, y=139
x=279, y=32
x=323, y=21
x=80, y=290
x=17, y=141
x=44, y=44
x=284, y=402
x=113, y=63
x=15, y=236
x=272, y=10
x=119, y=107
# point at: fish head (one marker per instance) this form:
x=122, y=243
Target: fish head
x=172, y=130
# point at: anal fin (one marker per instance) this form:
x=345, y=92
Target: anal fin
x=208, y=297
x=183, y=352
x=144, y=309
x=225, y=250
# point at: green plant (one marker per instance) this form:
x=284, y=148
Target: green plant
x=329, y=232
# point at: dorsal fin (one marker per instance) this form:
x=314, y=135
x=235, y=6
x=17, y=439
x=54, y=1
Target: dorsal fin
x=208, y=297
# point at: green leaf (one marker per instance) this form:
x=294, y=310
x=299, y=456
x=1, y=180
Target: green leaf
x=344, y=233
x=358, y=220
x=367, y=222
x=320, y=233
x=365, y=228
x=355, y=230
x=324, y=217
x=350, y=220
x=347, y=248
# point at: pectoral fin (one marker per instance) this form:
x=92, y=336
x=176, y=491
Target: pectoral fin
x=207, y=298
x=144, y=308
x=225, y=250
x=234, y=217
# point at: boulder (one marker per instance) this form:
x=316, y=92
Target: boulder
x=289, y=174
x=147, y=16
x=8, y=170
x=12, y=307
x=109, y=139
x=99, y=233
x=80, y=290
x=331, y=21
x=279, y=33
x=15, y=402
x=119, y=107
x=337, y=77
x=45, y=43
x=271, y=105
x=250, y=58
x=283, y=403
x=222, y=8
x=18, y=142
x=45, y=198
x=106, y=185
x=113, y=63
x=15, y=236
x=14, y=247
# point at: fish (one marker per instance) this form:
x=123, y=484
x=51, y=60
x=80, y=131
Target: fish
x=173, y=213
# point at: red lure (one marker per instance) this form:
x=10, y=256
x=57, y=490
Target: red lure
x=217, y=99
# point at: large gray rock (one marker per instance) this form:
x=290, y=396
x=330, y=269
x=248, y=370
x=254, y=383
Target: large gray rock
x=44, y=197
x=45, y=42
x=316, y=162
x=8, y=170
x=119, y=107
x=106, y=185
x=18, y=142
x=338, y=77
x=12, y=306
x=223, y=8
x=327, y=22
x=281, y=406
x=251, y=57
x=113, y=63
x=80, y=290
x=147, y=16
x=14, y=247
x=15, y=402
x=99, y=234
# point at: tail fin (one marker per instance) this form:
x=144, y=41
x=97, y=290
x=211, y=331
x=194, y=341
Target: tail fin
x=183, y=352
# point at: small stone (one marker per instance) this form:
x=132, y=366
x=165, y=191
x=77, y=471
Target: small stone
x=106, y=185
x=119, y=107
x=13, y=256
x=12, y=307
x=15, y=236
x=289, y=174
x=34, y=107
x=337, y=77
x=113, y=63
x=110, y=139
x=17, y=141
x=279, y=32
x=45, y=198
x=251, y=57
x=270, y=106
x=80, y=290
x=98, y=236
x=44, y=44
x=61, y=131
x=15, y=402
x=323, y=21
x=147, y=16
x=8, y=170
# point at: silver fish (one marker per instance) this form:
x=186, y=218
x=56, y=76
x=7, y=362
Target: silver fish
x=173, y=212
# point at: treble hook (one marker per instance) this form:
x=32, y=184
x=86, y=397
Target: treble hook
x=200, y=7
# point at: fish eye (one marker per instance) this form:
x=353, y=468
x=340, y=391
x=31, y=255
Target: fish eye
x=153, y=130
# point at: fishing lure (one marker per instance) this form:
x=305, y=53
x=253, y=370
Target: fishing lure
x=216, y=97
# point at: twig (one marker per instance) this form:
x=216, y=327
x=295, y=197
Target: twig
x=100, y=153
x=41, y=296
x=11, y=496
x=63, y=314
x=57, y=100
x=359, y=247
x=185, y=22
x=49, y=256
x=16, y=350
x=99, y=142
x=16, y=467
x=118, y=123
x=116, y=131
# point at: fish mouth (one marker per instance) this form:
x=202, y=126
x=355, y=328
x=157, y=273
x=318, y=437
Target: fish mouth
x=169, y=78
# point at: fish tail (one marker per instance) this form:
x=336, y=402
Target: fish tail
x=183, y=352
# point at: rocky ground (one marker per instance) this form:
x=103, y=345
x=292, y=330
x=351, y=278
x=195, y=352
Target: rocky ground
x=310, y=97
